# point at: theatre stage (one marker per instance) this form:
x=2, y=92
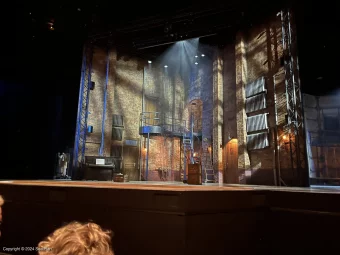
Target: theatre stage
x=175, y=218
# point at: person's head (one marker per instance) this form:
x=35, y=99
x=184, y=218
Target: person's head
x=1, y=204
x=77, y=239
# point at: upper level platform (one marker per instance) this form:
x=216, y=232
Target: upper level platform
x=158, y=124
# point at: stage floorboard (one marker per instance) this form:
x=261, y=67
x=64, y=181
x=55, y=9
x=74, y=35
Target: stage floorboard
x=168, y=186
x=173, y=217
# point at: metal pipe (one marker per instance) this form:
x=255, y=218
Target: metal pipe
x=101, y=149
x=192, y=138
x=141, y=125
x=143, y=90
x=80, y=105
x=80, y=137
x=277, y=174
x=140, y=158
x=147, y=158
x=274, y=158
x=166, y=43
x=185, y=159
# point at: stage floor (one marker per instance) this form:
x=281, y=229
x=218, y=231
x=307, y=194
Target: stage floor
x=168, y=186
x=140, y=213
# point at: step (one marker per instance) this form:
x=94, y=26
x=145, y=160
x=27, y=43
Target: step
x=210, y=178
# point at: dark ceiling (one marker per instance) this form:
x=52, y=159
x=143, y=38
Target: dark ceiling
x=142, y=25
x=148, y=24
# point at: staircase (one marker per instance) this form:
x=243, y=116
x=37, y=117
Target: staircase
x=207, y=167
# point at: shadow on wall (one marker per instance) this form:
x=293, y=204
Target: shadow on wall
x=263, y=54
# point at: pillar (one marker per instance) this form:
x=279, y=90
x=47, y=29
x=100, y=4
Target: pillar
x=218, y=116
x=241, y=117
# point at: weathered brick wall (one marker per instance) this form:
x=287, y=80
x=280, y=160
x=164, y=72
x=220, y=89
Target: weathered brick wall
x=258, y=53
x=229, y=110
x=281, y=104
x=128, y=94
x=241, y=117
x=165, y=155
x=263, y=60
x=166, y=91
x=218, y=116
x=109, y=102
x=128, y=100
x=96, y=101
x=200, y=93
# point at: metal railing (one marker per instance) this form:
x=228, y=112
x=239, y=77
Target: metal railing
x=168, y=124
x=151, y=119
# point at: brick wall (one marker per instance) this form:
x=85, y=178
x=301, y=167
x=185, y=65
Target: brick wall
x=241, y=117
x=165, y=155
x=125, y=97
x=96, y=101
x=229, y=110
x=218, y=115
x=221, y=91
x=258, y=54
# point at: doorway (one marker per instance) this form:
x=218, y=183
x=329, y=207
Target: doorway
x=130, y=156
x=231, y=162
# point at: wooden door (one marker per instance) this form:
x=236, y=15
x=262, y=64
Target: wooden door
x=130, y=162
x=231, y=162
x=151, y=107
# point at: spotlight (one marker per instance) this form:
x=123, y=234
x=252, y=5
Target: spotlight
x=196, y=63
x=166, y=66
x=202, y=55
x=149, y=61
x=196, y=56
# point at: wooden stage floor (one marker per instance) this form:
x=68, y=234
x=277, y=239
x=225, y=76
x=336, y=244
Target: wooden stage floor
x=167, y=186
x=175, y=218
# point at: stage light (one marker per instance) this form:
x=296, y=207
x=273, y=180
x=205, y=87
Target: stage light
x=196, y=56
x=196, y=63
x=149, y=61
x=284, y=137
x=166, y=66
x=202, y=55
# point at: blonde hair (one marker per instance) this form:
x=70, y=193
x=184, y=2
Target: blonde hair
x=77, y=239
x=2, y=201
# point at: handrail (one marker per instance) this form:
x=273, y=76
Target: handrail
x=169, y=124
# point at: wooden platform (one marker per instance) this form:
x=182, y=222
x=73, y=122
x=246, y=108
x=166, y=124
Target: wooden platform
x=174, y=218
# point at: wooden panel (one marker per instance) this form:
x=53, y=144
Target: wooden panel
x=231, y=162
x=194, y=174
x=152, y=106
x=131, y=162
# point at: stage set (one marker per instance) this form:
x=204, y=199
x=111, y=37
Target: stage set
x=176, y=218
x=148, y=113
x=143, y=122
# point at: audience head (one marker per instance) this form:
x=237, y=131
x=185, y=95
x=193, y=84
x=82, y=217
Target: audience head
x=77, y=239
